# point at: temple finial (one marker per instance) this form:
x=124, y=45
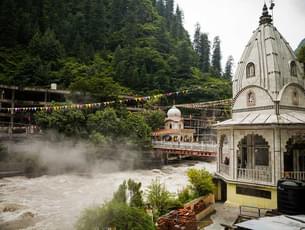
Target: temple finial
x=266, y=18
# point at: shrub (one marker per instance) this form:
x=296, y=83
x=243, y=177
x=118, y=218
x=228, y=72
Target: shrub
x=185, y=195
x=115, y=215
x=158, y=197
x=120, y=213
x=201, y=182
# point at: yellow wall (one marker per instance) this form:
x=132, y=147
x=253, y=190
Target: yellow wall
x=217, y=191
x=237, y=199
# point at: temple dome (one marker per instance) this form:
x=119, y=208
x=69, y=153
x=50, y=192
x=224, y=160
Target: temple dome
x=174, y=112
x=268, y=62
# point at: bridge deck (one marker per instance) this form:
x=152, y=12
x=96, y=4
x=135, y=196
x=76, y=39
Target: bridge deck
x=186, y=149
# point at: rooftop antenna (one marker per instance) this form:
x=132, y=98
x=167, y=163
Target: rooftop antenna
x=272, y=4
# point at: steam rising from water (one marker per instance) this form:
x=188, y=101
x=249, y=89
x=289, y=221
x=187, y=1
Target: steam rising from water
x=55, y=156
x=58, y=154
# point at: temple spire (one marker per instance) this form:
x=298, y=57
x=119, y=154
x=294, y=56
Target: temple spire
x=266, y=18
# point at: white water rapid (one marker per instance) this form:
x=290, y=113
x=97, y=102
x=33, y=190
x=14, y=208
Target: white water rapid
x=55, y=202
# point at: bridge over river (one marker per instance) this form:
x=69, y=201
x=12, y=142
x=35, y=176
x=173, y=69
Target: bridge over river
x=178, y=150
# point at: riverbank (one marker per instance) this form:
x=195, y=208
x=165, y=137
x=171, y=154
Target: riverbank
x=57, y=201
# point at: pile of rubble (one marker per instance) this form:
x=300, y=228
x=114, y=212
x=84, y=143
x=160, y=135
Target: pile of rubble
x=181, y=219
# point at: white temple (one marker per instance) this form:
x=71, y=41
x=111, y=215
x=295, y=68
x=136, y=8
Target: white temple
x=265, y=139
x=174, y=130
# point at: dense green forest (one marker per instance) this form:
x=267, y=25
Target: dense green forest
x=108, y=48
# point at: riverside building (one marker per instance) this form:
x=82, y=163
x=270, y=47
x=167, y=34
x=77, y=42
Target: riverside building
x=265, y=139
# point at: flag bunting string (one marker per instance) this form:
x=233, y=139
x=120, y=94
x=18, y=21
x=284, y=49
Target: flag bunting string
x=55, y=107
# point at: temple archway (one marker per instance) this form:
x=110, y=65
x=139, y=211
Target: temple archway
x=253, y=152
x=224, y=153
x=294, y=158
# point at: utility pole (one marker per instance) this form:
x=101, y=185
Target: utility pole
x=11, y=126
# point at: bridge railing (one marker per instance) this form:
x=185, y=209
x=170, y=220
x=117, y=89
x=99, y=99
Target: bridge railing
x=18, y=128
x=207, y=147
x=4, y=166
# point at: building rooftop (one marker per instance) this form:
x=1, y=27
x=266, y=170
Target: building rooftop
x=256, y=118
x=275, y=223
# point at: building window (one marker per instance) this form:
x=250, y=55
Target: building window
x=293, y=69
x=261, y=156
x=250, y=98
x=253, y=151
x=261, y=150
x=295, y=97
x=250, y=70
x=224, y=150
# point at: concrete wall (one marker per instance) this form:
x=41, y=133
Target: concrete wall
x=237, y=199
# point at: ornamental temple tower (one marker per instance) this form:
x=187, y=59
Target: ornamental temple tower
x=265, y=139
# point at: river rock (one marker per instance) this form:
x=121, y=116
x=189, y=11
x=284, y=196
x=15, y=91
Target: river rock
x=24, y=220
x=10, y=207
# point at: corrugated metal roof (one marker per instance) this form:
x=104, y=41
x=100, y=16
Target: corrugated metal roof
x=265, y=119
x=275, y=223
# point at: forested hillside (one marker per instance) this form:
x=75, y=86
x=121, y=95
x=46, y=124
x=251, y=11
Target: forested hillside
x=107, y=48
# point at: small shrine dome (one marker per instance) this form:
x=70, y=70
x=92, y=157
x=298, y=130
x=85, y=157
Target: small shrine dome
x=174, y=112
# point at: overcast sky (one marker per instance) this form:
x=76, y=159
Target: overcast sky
x=235, y=20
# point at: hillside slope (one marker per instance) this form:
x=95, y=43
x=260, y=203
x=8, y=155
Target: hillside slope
x=105, y=47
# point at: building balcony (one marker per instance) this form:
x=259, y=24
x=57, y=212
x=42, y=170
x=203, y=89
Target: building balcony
x=297, y=175
x=254, y=175
x=224, y=169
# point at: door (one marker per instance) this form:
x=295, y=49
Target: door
x=302, y=160
x=223, y=191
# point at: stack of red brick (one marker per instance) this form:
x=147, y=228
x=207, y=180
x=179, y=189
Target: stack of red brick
x=181, y=219
x=199, y=207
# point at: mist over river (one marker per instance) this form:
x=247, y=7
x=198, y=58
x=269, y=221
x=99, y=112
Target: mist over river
x=55, y=202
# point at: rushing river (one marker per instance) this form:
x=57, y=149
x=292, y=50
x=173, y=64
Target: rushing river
x=55, y=202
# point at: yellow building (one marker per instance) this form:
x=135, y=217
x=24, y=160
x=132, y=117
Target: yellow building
x=265, y=139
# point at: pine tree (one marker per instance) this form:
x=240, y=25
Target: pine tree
x=204, y=53
x=46, y=46
x=117, y=12
x=185, y=59
x=216, y=57
x=8, y=23
x=197, y=38
x=161, y=7
x=99, y=25
x=177, y=24
x=301, y=56
x=169, y=10
x=228, y=68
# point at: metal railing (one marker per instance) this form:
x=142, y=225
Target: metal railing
x=297, y=175
x=4, y=166
x=18, y=128
x=224, y=169
x=186, y=146
x=254, y=175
